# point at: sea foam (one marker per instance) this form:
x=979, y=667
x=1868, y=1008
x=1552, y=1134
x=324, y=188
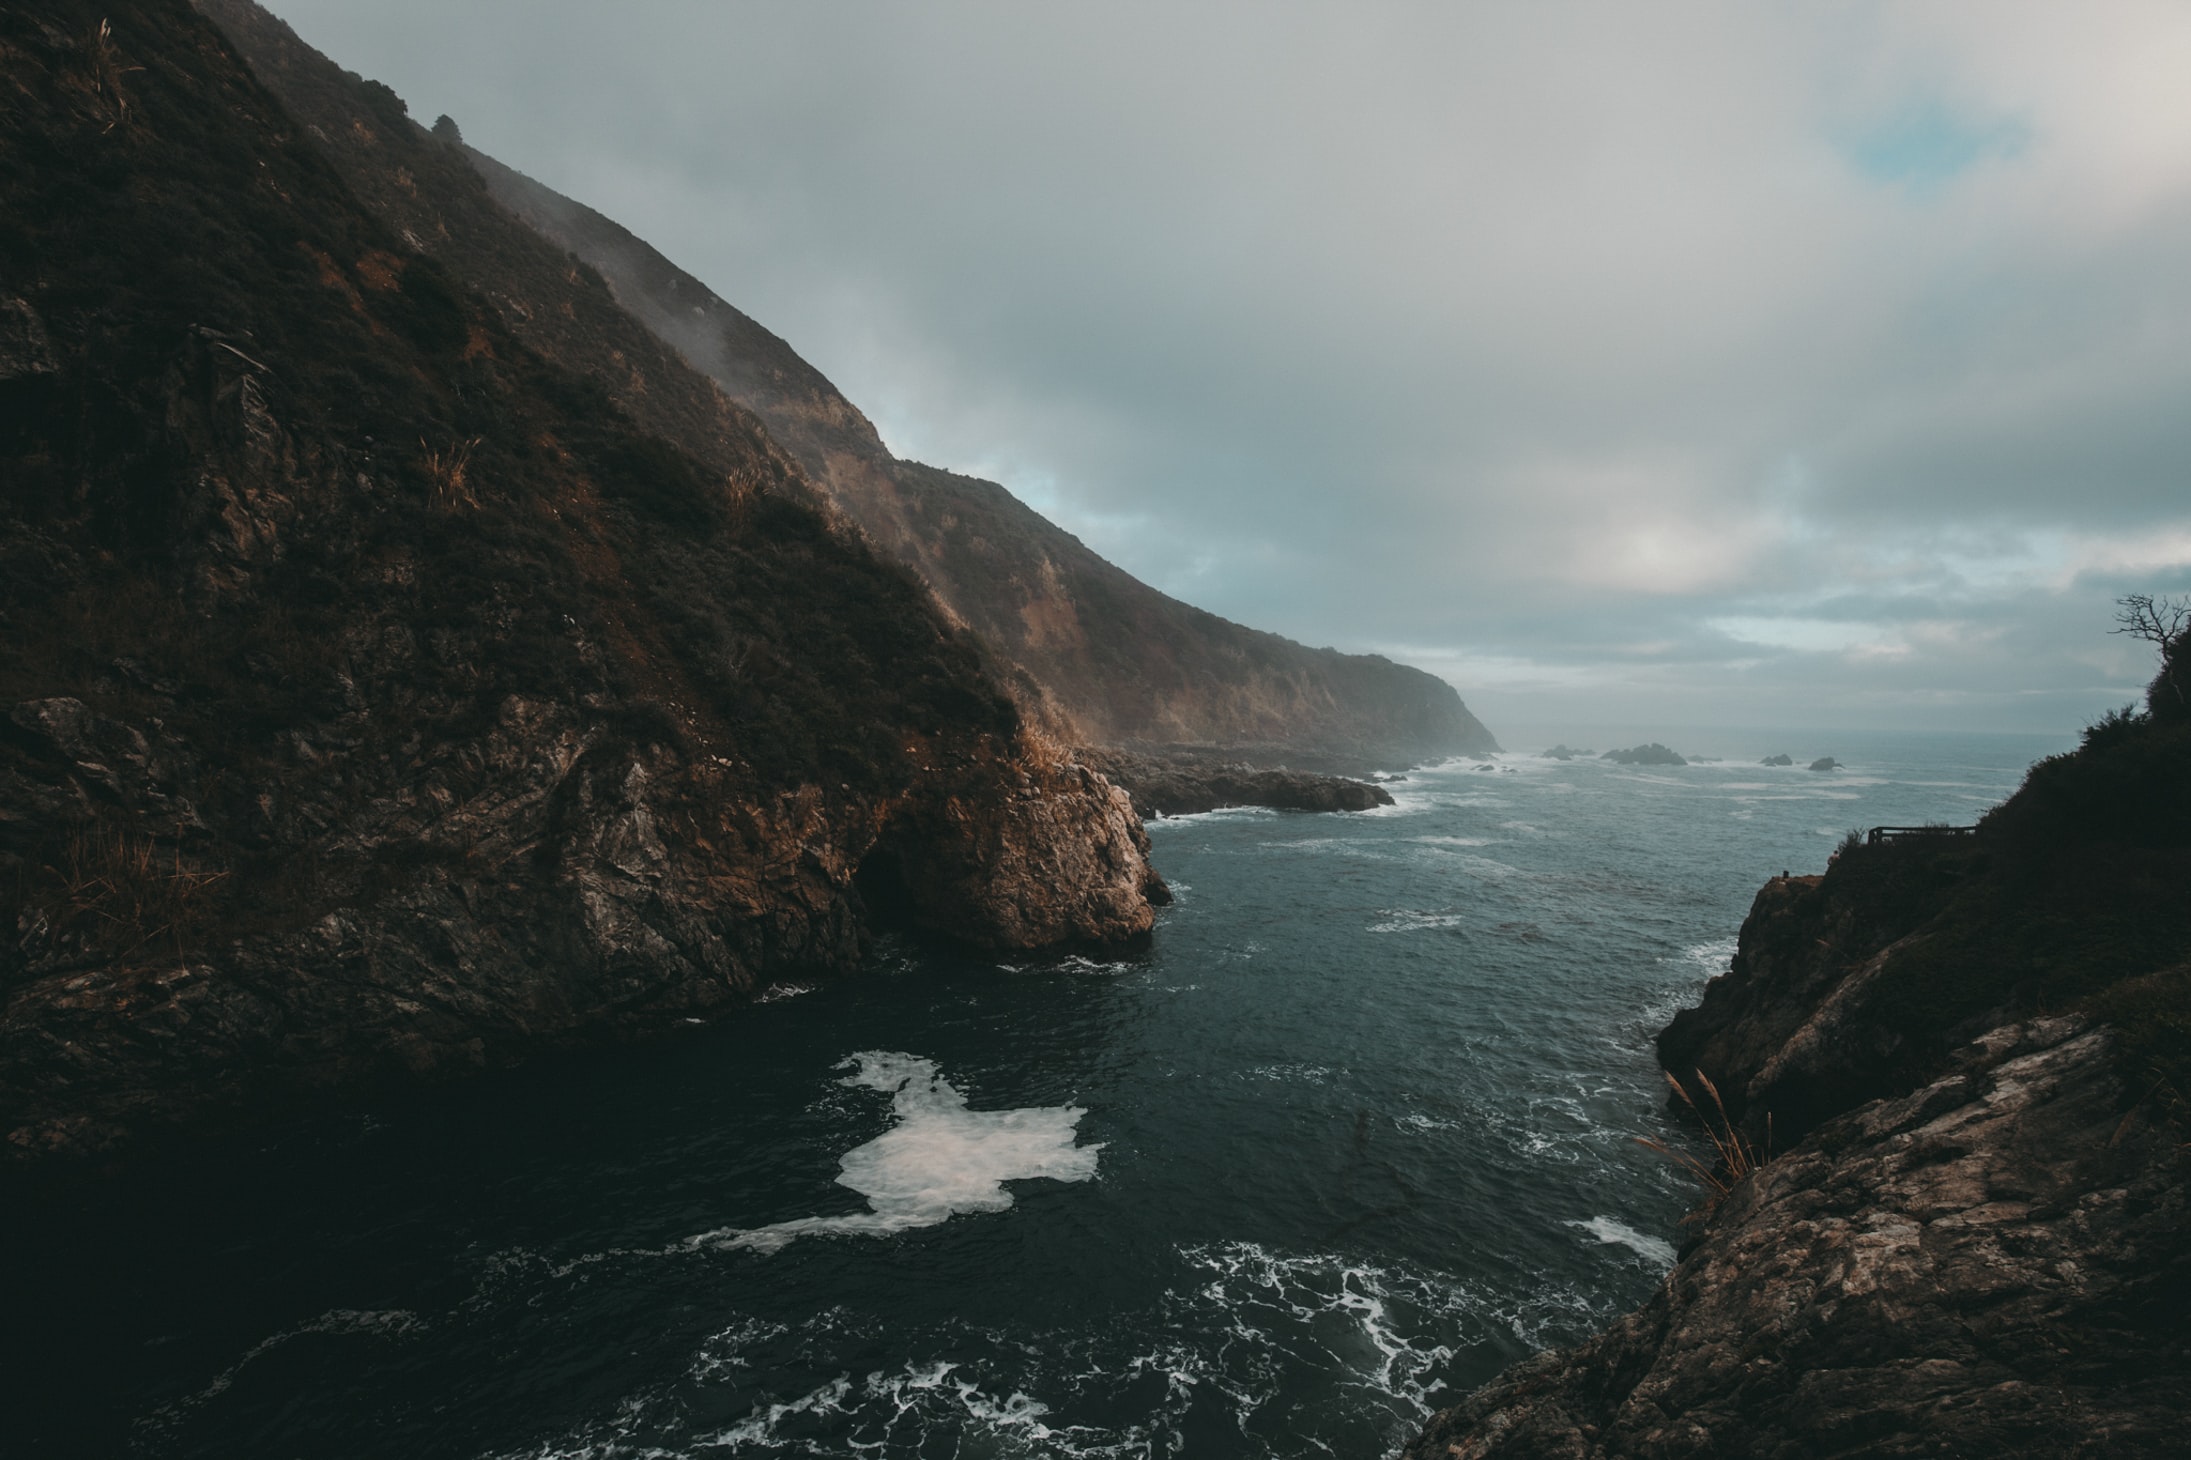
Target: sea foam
x=938, y=1160
x=1613, y=1232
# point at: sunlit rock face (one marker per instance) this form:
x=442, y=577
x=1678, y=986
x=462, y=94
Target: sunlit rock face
x=382, y=700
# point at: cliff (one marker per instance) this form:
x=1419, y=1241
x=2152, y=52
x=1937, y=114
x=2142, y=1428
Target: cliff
x=1974, y=1053
x=1096, y=655
x=380, y=698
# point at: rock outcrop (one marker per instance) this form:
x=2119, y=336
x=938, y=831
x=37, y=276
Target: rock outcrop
x=1097, y=656
x=378, y=698
x=1181, y=785
x=1651, y=754
x=1994, y=1264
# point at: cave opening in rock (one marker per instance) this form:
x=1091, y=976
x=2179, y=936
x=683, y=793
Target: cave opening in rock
x=880, y=883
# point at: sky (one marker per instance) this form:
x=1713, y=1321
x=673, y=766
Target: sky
x=1761, y=364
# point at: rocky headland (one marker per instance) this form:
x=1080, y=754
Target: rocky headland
x=1182, y=783
x=380, y=697
x=1961, y=1067
x=1093, y=655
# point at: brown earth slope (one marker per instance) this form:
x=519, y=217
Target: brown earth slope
x=1102, y=657
x=379, y=698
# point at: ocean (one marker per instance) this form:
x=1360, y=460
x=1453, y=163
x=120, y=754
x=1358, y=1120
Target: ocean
x=1355, y=1130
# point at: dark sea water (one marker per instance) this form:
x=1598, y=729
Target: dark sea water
x=1357, y=1130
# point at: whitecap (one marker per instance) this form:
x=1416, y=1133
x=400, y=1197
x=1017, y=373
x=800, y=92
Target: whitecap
x=1613, y=1232
x=938, y=1160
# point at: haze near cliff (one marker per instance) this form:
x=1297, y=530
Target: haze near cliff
x=1770, y=364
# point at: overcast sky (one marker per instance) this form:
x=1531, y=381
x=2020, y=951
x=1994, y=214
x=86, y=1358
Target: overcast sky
x=1750, y=364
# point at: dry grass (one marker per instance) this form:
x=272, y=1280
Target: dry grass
x=114, y=891
x=107, y=72
x=1738, y=1156
x=446, y=487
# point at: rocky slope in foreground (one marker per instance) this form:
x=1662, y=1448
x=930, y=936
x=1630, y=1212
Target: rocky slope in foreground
x=379, y=698
x=1975, y=1053
x=1100, y=657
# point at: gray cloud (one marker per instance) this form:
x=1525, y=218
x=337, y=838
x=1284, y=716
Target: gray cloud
x=1774, y=364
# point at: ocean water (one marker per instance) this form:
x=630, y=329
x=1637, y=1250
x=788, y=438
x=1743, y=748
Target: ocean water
x=1356, y=1130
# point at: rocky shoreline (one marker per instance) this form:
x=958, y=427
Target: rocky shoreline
x=1989, y=1265
x=1980, y=1251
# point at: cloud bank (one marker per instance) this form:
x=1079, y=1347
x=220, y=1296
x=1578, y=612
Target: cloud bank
x=1776, y=365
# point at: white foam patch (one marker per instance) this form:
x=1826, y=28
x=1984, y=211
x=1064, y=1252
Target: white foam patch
x=1289, y=1074
x=1222, y=813
x=780, y=991
x=1613, y=1232
x=938, y=1160
x=1405, y=920
x=1429, y=1122
x=1711, y=958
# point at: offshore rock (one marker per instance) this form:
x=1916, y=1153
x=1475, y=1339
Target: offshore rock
x=1651, y=754
x=1994, y=1264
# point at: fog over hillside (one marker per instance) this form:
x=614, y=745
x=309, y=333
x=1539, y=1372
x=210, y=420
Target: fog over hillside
x=1774, y=366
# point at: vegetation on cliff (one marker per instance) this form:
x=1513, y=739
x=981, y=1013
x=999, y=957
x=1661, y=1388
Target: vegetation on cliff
x=2069, y=897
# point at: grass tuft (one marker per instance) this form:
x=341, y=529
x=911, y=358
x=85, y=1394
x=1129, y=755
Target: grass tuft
x=1738, y=1156
x=446, y=487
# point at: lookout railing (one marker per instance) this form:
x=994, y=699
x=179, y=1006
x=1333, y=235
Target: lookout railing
x=1879, y=834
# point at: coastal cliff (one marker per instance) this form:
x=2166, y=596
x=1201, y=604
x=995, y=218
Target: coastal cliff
x=379, y=698
x=1092, y=654
x=1965, y=1061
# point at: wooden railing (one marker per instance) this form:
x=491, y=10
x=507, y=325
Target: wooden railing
x=1880, y=834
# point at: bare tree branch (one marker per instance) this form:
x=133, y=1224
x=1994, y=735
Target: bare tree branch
x=2157, y=620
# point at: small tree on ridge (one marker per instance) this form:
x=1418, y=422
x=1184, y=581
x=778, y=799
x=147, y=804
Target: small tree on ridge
x=2166, y=623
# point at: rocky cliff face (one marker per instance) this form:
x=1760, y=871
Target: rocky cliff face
x=1994, y=1264
x=379, y=698
x=1975, y=1052
x=1099, y=657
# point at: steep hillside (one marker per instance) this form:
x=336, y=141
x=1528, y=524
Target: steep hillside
x=1103, y=657
x=379, y=698
x=1968, y=1062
